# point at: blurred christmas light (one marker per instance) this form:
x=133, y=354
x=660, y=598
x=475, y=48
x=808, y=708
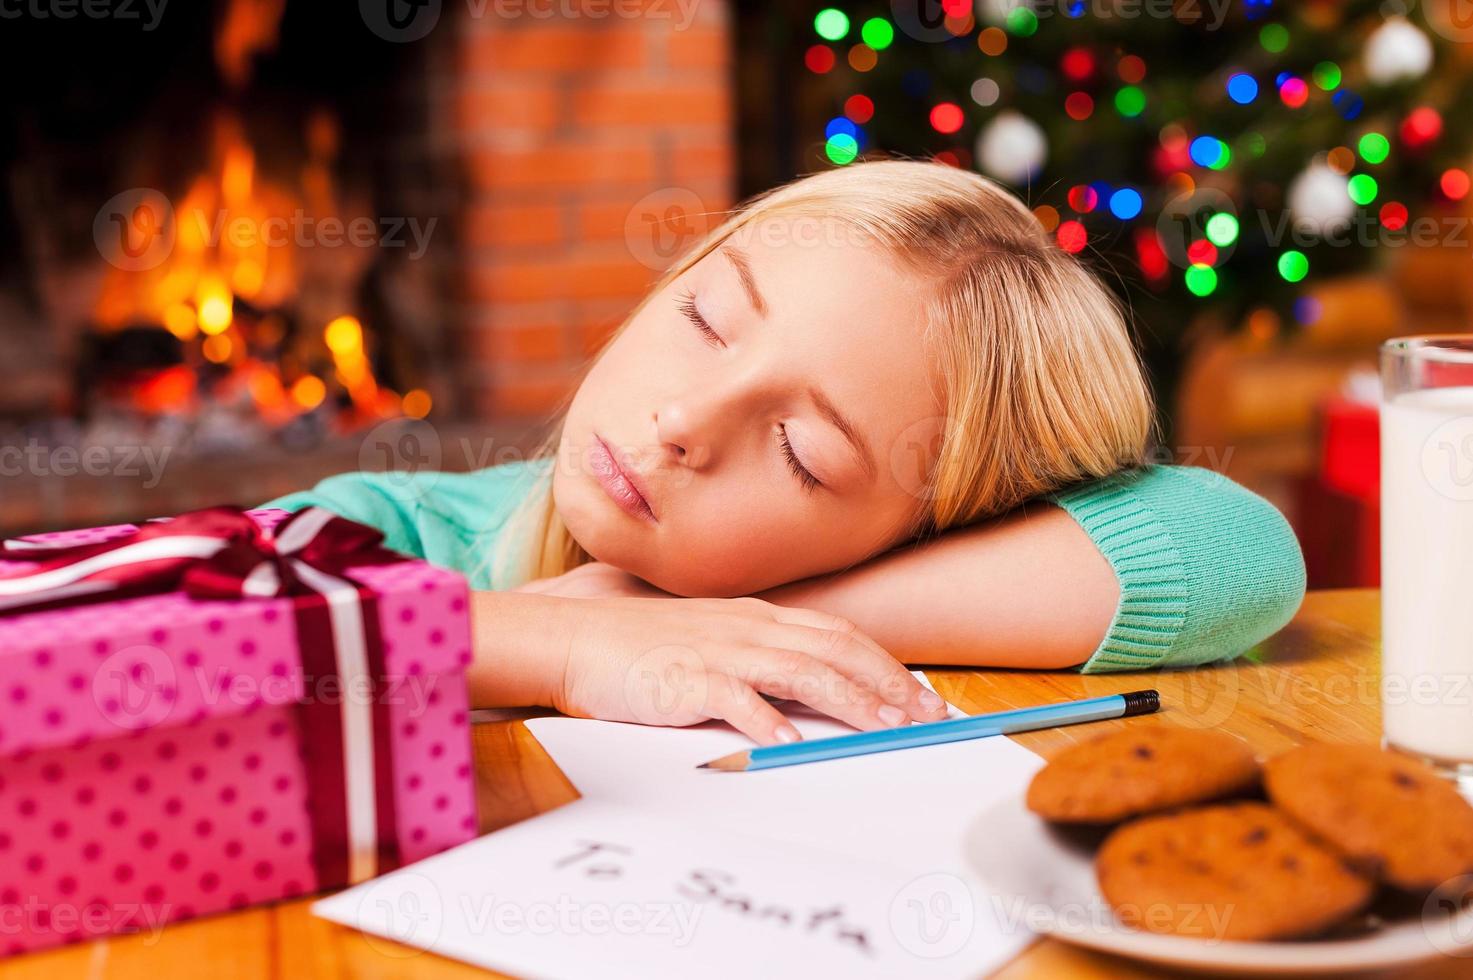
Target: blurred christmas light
x=1341, y=160
x=1454, y=184
x=1274, y=38
x=840, y=125
x=1077, y=64
x=1150, y=255
x=947, y=117
x=841, y=148
x=1126, y=203
x=1048, y=217
x=1130, y=101
x=1293, y=265
x=1348, y=104
x=1201, y=279
x=862, y=57
x=1327, y=75
x=1421, y=128
x=860, y=108
x=831, y=24
x=1294, y=92
x=1374, y=148
x=1083, y=199
x=1222, y=229
x=1132, y=70
x=1209, y=151
x=1363, y=189
x=1307, y=310
x=1079, y=106
x=1202, y=252
x=1022, y=21
x=1072, y=237
x=992, y=42
x=985, y=92
x=1242, y=88
x=878, y=33
x=1394, y=215
x=819, y=59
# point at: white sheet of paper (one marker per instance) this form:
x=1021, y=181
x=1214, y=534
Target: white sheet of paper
x=909, y=808
x=598, y=890
x=727, y=874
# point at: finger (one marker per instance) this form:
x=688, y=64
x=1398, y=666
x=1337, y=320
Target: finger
x=739, y=706
x=797, y=676
x=846, y=648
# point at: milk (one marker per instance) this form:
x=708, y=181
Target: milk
x=1427, y=572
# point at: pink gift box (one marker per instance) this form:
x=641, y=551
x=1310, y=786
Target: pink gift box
x=154, y=764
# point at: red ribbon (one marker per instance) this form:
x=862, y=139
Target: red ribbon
x=221, y=553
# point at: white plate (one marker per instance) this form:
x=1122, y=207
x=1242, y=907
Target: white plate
x=1045, y=880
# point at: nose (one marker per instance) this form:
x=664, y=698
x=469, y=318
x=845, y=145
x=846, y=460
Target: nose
x=690, y=428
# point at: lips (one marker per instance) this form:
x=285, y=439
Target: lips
x=623, y=487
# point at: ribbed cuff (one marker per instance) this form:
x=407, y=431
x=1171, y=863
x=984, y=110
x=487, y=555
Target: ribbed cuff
x=1153, y=580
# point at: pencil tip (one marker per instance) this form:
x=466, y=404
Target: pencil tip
x=704, y=765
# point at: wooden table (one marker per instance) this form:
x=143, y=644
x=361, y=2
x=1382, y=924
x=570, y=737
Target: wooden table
x=1317, y=680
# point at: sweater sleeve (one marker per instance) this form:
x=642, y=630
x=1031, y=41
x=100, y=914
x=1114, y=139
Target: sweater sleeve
x=456, y=520
x=1206, y=568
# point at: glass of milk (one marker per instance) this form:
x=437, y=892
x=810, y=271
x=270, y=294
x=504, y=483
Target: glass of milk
x=1427, y=551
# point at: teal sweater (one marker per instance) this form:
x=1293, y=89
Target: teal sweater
x=1206, y=568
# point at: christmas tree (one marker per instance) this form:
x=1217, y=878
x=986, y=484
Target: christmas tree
x=1218, y=157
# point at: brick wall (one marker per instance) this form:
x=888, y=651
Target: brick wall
x=565, y=121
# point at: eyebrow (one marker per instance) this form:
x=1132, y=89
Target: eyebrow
x=738, y=260
x=836, y=418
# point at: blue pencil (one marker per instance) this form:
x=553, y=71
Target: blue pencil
x=936, y=733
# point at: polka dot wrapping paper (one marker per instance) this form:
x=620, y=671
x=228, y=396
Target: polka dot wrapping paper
x=152, y=767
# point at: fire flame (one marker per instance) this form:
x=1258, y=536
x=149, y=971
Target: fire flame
x=236, y=270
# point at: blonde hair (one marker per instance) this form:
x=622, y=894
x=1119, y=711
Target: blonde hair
x=1040, y=382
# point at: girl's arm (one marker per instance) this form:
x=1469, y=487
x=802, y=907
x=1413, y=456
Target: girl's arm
x=1166, y=566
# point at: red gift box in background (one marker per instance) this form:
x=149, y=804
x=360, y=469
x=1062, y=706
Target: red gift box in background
x=1341, y=505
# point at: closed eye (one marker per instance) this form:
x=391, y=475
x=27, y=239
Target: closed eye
x=807, y=479
x=687, y=306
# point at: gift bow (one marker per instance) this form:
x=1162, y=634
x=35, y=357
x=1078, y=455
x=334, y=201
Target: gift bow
x=221, y=553
x=216, y=553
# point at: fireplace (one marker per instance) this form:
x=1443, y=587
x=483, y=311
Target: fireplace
x=256, y=242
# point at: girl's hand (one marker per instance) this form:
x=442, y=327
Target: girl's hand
x=591, y=580
x=679, y=662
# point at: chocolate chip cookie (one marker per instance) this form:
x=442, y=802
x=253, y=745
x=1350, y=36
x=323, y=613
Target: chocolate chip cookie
x=1141, y=770
x=1391, y=815
x=1238, y=871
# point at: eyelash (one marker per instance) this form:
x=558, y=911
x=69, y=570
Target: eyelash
x=687, y=306
x=806, y=478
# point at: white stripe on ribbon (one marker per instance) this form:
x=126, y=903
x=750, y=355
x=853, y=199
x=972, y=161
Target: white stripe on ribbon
x=351, y=651
x=73, y=591
x=181, y=546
